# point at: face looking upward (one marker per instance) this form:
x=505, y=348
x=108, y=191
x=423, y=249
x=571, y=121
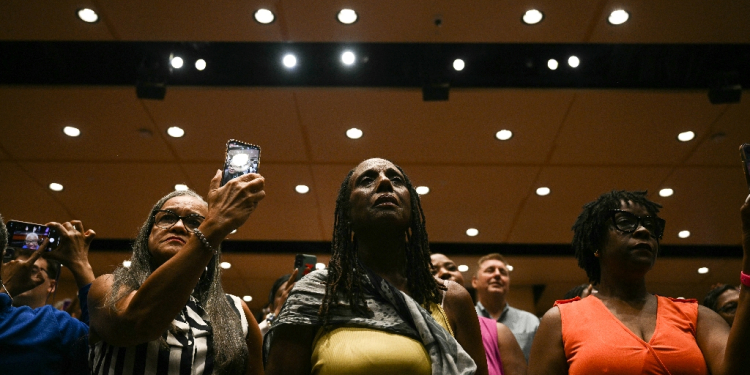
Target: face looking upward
x=37, y=297
x=446, y=269
x=621, y=249
x=165, y=243
x=379, y=195
x=492, y=277
x=726, y=304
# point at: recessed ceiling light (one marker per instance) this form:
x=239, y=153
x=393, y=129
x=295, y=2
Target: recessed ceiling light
x=684, y=234
x=264, y=16
x=472, y=232
x=247, y=298
x=126, y=263
x=573, y=61
x=71, y=131
x=542, y=191
x=532, y=17
x=348, y=58
x=354, y=133
x=87, y=15
x=463, y=268
x=552, y=64
x=320, y=266
x=289, y=61
x=180, y=187
x=686, y=136
x=225, y=265
x=504, y=135
x=618, y=17
x=459, y=65
x=302, y=189
x=509, y=267
x=177, y=62
x=175, y=131
x=200, y=64
x=666, y=192
x=703, y=270
x=347, y=16
x=55, y=186
x=422, y=190
x=233, y=232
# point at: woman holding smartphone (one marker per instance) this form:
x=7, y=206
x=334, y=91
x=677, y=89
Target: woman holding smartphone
x=377, y=309
x=167, y=313
x=624, y=329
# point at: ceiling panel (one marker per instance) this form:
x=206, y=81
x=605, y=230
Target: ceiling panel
x=689, y=21
x=461, y=130
x=109, y=119
x=548, y=219
x=723, y=140
x=632, y=127
x=210, y=117
x=48, y=20
x=23, y=197
x=707, y=203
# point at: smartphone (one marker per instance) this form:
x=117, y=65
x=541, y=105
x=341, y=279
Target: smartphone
x=23, y=235
x=241, y=158
x=304, y=264
x=745, y=156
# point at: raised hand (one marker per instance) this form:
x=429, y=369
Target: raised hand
x=229, y=206
x=19, y=276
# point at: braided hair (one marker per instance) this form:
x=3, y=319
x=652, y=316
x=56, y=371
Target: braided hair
x=591, y=226
x=345, y=273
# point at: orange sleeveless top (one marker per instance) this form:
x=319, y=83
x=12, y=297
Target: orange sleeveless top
x=596, y=342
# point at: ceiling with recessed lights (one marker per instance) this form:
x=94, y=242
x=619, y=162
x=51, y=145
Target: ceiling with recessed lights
x=486, y=154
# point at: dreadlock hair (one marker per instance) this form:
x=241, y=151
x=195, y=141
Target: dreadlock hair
x=345, y=272
x=712, y=298
x=3, y=236
x=591, y=226
x=229, y=347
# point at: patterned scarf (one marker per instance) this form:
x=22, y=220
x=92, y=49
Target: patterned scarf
x=390, y=310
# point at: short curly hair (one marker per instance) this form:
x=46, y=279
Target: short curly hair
x=591, y=226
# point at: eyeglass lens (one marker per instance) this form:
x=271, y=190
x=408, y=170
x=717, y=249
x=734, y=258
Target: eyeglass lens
x=627, y=222
x=166, y=220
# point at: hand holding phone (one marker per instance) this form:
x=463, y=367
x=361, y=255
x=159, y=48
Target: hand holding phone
x=304, y=264
x=240, y=159
x=23, y=235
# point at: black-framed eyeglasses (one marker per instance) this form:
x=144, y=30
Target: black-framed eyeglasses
x=627, y=222
x=166, y=219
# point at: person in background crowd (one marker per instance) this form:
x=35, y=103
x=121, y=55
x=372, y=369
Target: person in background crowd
x=167, y=313
x=44, y=340
x=624, y=329
x=504, y=355
x=723, y=299
x=276, y=298
x=492, y=283
x=377, y=308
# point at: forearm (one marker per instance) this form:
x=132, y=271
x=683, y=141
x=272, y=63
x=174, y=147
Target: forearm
x=82, y=273
x=736, y=360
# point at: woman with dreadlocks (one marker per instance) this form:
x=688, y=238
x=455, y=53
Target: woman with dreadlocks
x=167, y=313
x=377, y=309
x=623, y=329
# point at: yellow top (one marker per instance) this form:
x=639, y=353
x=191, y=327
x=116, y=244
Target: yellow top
x=354, y=350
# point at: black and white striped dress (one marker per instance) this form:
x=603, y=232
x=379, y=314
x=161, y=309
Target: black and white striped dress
x=190, y=348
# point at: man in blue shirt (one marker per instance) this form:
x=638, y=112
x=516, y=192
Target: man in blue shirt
x=45, y=340
x=492, y=283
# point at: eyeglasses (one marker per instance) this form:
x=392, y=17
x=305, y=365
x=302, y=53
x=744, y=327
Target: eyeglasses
x=166, y=219
x=627, y=222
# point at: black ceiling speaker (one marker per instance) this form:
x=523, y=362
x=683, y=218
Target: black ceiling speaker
x=152, y=77
x=725, y=88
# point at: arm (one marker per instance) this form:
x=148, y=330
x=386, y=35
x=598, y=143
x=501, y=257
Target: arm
x=291, y=350
x=254, y=344
x=143, y=315
x=514, y=363
x=724, y=349
x=547, y=352
x=463, y=320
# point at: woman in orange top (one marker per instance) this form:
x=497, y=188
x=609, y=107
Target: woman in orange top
x=623, y=329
